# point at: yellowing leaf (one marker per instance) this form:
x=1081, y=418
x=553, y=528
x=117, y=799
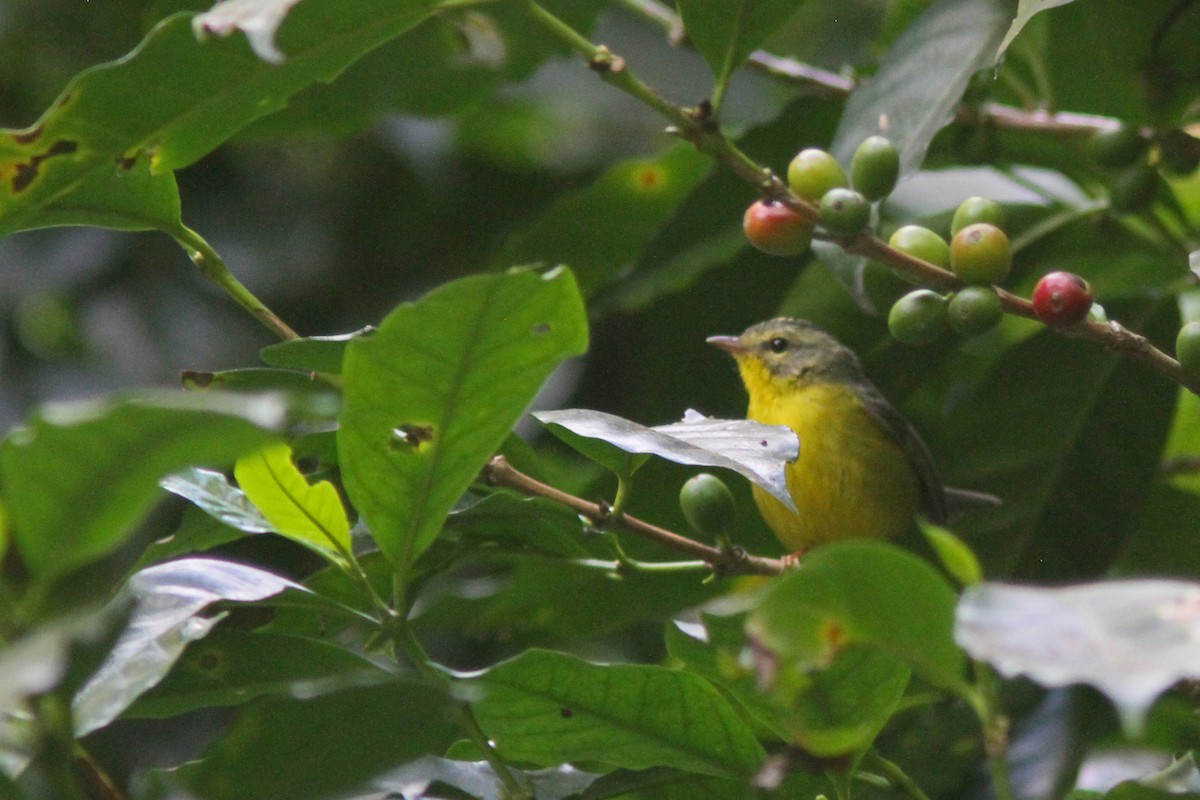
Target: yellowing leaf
x=311, y=514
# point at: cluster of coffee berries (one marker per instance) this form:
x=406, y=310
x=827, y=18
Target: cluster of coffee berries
x=817, y=177
x=1133, y=159
x=978, y=252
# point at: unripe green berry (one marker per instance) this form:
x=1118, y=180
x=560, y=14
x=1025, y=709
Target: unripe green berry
x=845, y=211
x=1118, y=147
x=1134, y=189
x=918, y=318
x=921, y=243
x=974, y=310
x=980, y=254
x=1187, y=347
x=977, y=209
x=707, y=504
x=776, y=229
x=875, y=167
x=813, y=172
x=1061, y=299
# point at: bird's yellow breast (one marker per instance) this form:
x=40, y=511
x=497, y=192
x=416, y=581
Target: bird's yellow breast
x=851, y=479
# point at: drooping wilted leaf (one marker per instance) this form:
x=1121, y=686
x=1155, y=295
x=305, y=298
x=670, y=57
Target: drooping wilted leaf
x=756, y=451
x=1130, y=639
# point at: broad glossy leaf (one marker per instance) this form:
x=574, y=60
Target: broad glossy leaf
x=1025, y=11
x=478, y=779
x=289, y=748
x=85, y=160
x=714, y=651
x=838, y=709
x=922, y=78
x=232, y=668
x=866, y=592
x=211, y=492
x=168, y=599
x=432, y=394
x=758, y=452
x=1130, y=639
x=311, y=514
x=600, y=230
x=50, y=469
x=548, y=708
x=313, y=353
x=726, y=32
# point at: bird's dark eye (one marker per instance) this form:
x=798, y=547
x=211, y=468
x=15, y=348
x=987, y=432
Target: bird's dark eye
x=778, y=344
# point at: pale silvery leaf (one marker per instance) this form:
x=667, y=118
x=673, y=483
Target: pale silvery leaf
x=167, y=599
x=258, y=19
x=213, y=494
x=1194, y=262
x=1129, y=639
x=478, y=779
x=758, y=452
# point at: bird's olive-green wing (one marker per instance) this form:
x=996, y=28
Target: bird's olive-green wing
x=933, y=492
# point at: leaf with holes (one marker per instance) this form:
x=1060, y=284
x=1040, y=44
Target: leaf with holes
x=97, y=158
x=432, y=394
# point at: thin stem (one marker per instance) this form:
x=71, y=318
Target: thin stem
x=499, y=472
x=896, y=776
x=995, y=729
x=830, y=84
x=213, y=267
x=514, y=787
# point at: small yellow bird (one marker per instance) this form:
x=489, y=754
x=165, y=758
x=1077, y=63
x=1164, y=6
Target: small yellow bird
x=863, y=471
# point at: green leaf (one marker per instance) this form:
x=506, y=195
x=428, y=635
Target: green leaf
x=841, y=707
x=169, y=598
x=923, y=78
x=312, y=354
x=97, y=158
x=231, y=668
x=530, y=524
x=1025, y=11
x=599, y=231
x=953, y=552
x=289, y=748
x=726, y=32
x=865, y=592
x=548, y=708
x=79, y=477
x=715, y=653
x=311, y=514
x=432, y=394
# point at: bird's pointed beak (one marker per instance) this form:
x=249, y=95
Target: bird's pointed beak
x=730, y=344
